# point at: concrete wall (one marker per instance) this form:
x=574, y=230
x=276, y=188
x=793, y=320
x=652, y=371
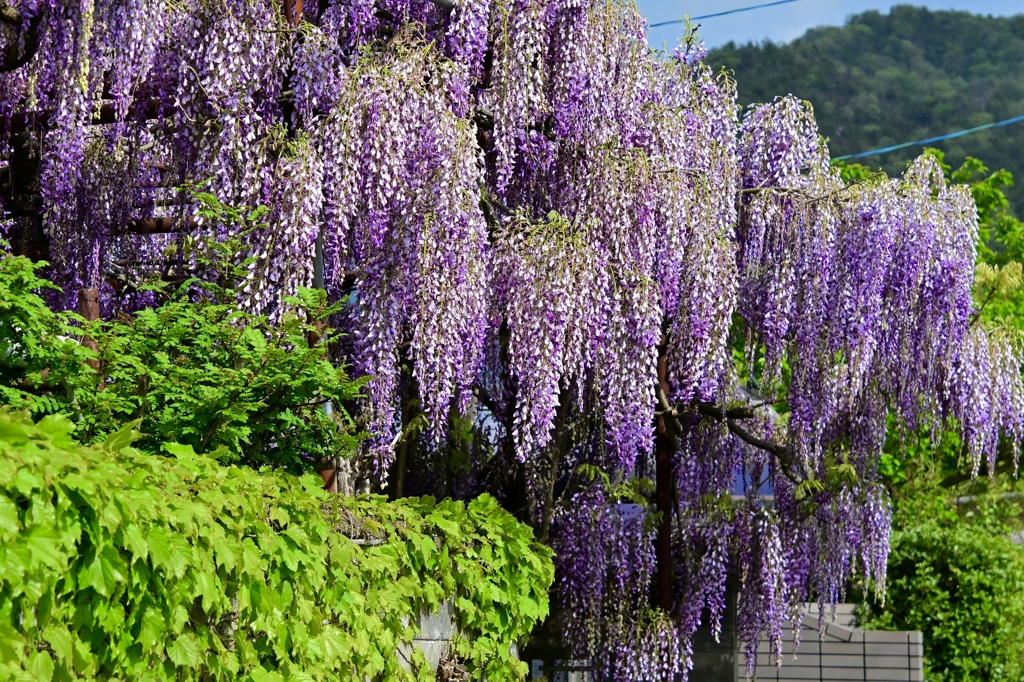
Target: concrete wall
x=840, y=652
x=436, y=631
x=435, y=635
x=716, y=660
x=837, y=652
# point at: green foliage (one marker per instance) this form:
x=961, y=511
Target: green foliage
x=961, y=582
x=116, y=564
x=852, y=172
x=39, y=354
x=195, y=370
x=912, y=460
x=208, y=375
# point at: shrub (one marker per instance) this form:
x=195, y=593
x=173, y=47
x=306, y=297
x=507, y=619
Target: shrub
x=206, y=374
x=195, y=370
x=39, y=359
x=962, y=585
x=117, y=564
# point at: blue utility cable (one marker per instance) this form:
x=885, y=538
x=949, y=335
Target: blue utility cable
x=930, y=140
x=722, y=14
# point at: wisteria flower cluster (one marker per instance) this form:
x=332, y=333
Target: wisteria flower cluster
x=605, y=561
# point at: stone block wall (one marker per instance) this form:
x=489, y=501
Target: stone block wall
x=434, y=638
x=841, y=652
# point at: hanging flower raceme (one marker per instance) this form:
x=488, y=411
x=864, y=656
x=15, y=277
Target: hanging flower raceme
x=987, y=395
x=401, y=183
x=605, y=561
x=284, y=247
x=553, y=329
x=851, y=288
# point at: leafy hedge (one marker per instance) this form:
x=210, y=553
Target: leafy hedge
x=964, y=588
x=120, y=564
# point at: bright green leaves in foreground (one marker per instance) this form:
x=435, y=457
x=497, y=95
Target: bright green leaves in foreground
x=120, y=564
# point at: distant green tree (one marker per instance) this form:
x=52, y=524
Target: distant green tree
x=911, y=74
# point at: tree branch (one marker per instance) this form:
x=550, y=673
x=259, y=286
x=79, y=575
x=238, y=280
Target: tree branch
x=977, y=314
x=485, y=400
x=731, y=416
x=670, y=416
x=484, y=118
x=9, y=15
x=757, y=442
x=159, y=225
x=722, y=413
x=17, y=55
x=496, y=203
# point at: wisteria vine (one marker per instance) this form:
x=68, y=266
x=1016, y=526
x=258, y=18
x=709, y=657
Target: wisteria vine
x=550, y=240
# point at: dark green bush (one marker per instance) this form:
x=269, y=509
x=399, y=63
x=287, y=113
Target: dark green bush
x=116, y=564
x=205, y=374
x=195, y=370
x=962, y=585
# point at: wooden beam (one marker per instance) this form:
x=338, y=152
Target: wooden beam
x=293, y=12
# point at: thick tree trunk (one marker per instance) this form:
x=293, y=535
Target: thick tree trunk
x=664, y=496
x=330, y=473
x=330, y=477
x=293, y=12
x=89, y=308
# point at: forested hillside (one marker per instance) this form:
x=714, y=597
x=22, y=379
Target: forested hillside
x=884, y=79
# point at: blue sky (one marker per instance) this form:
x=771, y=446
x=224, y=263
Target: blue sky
x=783, y=23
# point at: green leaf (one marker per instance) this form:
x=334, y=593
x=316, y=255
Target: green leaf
x=41, y=666
x=184, y=650
x=159, y=544
x=179, y=450
x=152, y=631
x=11, y=643
x=46, y=546
x=123, y=437
x=61, y=643
x=135, y=542
x=262, y=675
x=10, y=524
x=105, y=571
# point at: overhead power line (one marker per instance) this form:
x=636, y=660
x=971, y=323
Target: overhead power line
x=722, y=14
x=930, y=140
